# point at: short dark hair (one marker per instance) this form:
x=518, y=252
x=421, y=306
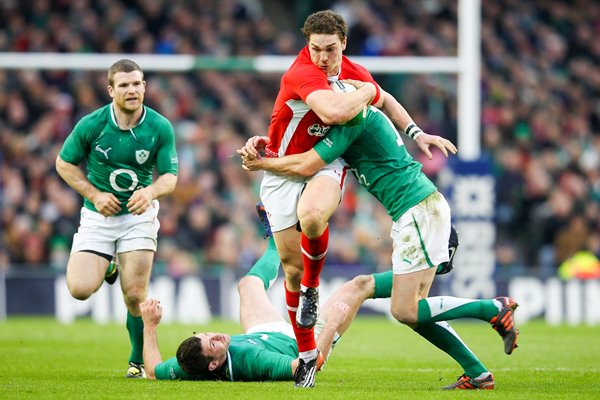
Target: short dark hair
x=325, y=22
x=123, y=65
x=190, y=357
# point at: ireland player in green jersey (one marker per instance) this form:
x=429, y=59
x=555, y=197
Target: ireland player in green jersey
x=267, y=350
x=376, y=155
x=121, y=143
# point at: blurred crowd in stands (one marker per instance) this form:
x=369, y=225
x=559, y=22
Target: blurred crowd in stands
x=540, y=121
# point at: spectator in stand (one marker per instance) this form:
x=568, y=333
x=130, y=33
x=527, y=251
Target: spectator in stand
x=539, y=79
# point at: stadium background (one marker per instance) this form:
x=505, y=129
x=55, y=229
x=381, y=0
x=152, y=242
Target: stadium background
x=540, y=121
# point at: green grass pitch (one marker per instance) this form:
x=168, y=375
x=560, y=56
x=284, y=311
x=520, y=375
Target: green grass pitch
x=376, y=359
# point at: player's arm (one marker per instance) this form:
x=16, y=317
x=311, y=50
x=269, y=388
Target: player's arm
x=167, y=167
x=151, y=315
x=398, y=114
x=164, y=185
x=141, y=199
x=106, y=203
x=338, y=108
x=394, y=110
x=304, y=164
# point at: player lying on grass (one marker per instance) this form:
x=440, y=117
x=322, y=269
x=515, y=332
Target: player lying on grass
x=268, y=349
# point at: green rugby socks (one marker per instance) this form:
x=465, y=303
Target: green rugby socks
x=446, y=308
x=442, y=336
x=135, y=327
x=267, y=266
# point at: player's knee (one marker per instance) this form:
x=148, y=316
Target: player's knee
x=79, y=292
x=363, y=285
x=247, y=283
x=313, y=222
x=293, y=272
x=404, y=315
x=293, y=279
x=134, y=295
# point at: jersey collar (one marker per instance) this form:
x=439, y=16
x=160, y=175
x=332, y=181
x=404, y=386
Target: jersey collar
x=113, y=117
x=225, y=373
x=229, y=367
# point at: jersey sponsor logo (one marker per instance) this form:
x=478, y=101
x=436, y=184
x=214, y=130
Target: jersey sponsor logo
x=113, y=180
x=141, y=156
x=328, y=142
x=318, y=130
x=105, y=152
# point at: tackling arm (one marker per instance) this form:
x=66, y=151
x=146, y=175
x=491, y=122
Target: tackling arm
x=394, y=110
x=303, y=165
x=398, y=114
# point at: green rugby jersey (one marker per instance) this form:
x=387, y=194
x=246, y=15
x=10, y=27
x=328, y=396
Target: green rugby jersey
x=121, y=161
x=378, y=158
x=261, y=356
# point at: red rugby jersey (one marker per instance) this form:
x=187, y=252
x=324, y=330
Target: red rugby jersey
x=294, y=127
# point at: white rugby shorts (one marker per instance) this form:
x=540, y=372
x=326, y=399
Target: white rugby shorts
x=421, y=236
x=280, y=194
x=276, y=326
x=118, y=233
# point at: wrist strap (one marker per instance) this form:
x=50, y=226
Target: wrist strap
x=413, y=131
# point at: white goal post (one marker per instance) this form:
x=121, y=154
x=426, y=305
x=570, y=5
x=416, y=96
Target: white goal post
x=466, y=65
